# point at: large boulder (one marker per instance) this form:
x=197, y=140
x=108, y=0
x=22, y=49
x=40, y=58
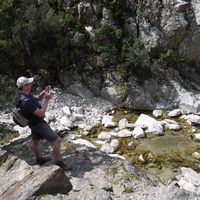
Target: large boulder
x=21, y=181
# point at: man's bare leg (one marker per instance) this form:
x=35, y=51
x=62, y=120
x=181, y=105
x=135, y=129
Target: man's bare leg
x=40, y=160
x=56, y=149
x=36, y=148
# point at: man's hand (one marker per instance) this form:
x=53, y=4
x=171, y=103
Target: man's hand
x=48, y=93
x=47, y=89
x=47, y=96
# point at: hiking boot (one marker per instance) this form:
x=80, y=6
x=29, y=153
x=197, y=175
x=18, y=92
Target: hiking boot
x=64, y=166
x=42, y=160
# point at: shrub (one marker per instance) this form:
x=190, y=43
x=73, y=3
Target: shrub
x=106, y=42
x=134, y=60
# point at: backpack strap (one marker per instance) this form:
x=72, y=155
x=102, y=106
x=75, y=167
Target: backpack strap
x=19, y=100
x=17, y=95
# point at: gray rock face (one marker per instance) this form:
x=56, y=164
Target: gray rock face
x=171, y=25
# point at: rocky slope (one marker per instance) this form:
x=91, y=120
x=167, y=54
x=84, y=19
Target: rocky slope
x=95, y=174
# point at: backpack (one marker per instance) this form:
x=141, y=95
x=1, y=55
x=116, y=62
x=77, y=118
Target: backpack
x=18, y=117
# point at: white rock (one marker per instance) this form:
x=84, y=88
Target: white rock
x=169, y=121
x=138, y=133
x=66, y=110
x=116, y=156
x=114, y=143
x=104, y=136
x=82, y=126
x=182, y=19
x=193, y=119
x=85, y=133
x=66, y=122
x=189, y=102
x=171, y=124
x=191, y=176
x=49, y=117
x=153, y=126
x=24, y=132
x=124, y=133
x=174, y=127
x=175, y=113
x=141, y=158
x=197, y=136
x=187, y=185
x=122, y=123
x=196, y=155
x=88, y=28
x=61, y=127
x=79, y=110
x=88, y=128
x=78, y=116
x=107, y=148
x=196, y=7
x=130, y=144
x=157, y=113
x=112, y=133
x=131, y=125
x=107, y=121
x=110, y=147
x=194, y=130
x=100, y=142
x=83, y=142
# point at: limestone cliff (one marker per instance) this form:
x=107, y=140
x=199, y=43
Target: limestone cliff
x=169, y=31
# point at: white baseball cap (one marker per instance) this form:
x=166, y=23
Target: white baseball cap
x=23, y=81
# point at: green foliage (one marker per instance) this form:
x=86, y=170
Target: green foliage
x=167, y=58
x=106, y=42
x=128, y=189
x=7, y=91
x=171, y=59
x=111, y=171
x=4, y=56
x=69, y=53
x=36, y=35
x=110, y=3
x=64, y=44
x=135, y=60
x=5, y=17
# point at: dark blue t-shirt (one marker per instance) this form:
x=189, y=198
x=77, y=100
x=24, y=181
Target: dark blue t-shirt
x=28, y=105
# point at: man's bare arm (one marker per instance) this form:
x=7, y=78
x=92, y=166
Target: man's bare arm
x=41, y=112
x=39, y=96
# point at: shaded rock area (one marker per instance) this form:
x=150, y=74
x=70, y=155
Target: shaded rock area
x=95, y=175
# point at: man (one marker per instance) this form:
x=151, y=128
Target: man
x=35, y=112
